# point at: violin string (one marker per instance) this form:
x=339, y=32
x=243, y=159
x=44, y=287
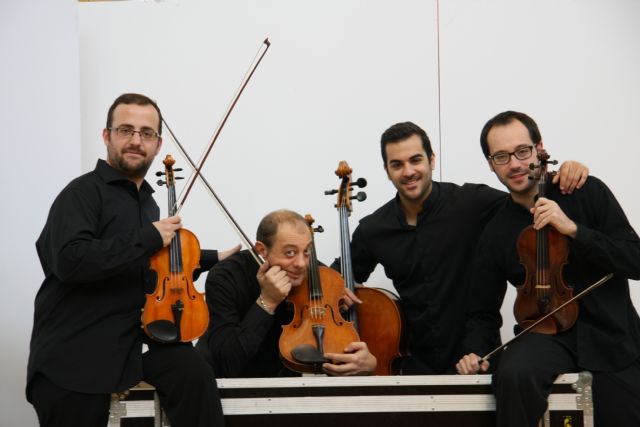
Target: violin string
x=315, y=283
x=348, y=277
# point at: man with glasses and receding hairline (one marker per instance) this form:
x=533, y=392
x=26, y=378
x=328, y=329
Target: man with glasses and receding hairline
x=605, y=338
x=87, y=340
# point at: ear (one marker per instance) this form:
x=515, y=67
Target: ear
x=432, y=161
x=540, y=144
x=490, y=163
x=106, y=136
x=262, y=249
x=159, y=146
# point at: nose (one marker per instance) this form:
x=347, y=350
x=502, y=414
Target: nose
x=300, y=261
x=137, y=137
x=408, y=170
x=135, y=140
x=514, y=163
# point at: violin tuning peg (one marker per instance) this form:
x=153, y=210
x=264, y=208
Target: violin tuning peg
x=361, y=196
x=361, y=182
x=179, y=177
x=161, y=182
x=177, y=170
x=318, y=229
x=330, y=192
x=159, y=173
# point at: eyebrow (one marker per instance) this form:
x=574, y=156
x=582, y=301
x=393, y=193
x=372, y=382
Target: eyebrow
x=516, y=149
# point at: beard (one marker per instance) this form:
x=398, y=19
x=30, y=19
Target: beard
x=530, y=186
x=130, y=169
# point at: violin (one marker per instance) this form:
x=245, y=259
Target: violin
x=543, y=254
x=175, y=311
x=317, y=326
x=379, y=319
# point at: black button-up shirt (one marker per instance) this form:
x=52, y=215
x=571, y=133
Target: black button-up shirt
x=608, y=328
x=429, y=265
x=94, y=251
x=242, y=340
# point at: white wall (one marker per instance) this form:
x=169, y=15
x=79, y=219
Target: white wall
x=40, y=126
x=332, y=81
x=338, y=73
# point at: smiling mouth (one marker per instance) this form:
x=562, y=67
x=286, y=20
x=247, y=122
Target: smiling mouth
x=519, y=175
x=134, y=153
x=410, y=182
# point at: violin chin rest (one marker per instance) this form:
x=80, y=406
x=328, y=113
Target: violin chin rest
x=308, y=354
x=163, y=331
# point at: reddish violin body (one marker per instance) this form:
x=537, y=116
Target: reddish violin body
x=379, y=319
x=543, y=253
x=381, y=325
x=317, y=326
x=175, y=311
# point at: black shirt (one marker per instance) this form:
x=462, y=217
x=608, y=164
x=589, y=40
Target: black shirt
x=242, y=340
x=428, y=264
x=608, y=327
x=94, y=251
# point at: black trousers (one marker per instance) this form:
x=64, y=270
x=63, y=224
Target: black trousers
x=183, y=380
x=523, y=378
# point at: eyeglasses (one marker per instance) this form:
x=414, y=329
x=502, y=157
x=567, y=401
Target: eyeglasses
x=125, y=132
x=522, y=153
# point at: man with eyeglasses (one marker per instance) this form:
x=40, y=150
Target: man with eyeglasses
x=87, y=340
x=425, y=239
x=606, y=336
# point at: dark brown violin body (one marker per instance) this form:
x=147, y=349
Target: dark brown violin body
x=317, y=326
x=379, y=319
x=175, y=311
x=543, y=253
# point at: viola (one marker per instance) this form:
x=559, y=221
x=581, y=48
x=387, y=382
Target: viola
x=317, y=326
x=175, y=311
x=379, y=319
x=543, y=254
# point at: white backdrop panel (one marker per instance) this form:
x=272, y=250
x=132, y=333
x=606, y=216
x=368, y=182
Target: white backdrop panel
x=332, y=81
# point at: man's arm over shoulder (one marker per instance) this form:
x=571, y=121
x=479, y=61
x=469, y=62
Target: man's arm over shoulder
x=485, y=200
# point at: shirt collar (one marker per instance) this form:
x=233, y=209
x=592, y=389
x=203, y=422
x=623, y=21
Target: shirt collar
x=427, y=205
x=112, y=176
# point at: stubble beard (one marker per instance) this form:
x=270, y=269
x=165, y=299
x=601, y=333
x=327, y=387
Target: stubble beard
x=130, y=169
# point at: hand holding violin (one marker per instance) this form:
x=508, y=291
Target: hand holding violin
x=167, y=228
x=356, y=360
x=547, y=212
x=350, y=298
